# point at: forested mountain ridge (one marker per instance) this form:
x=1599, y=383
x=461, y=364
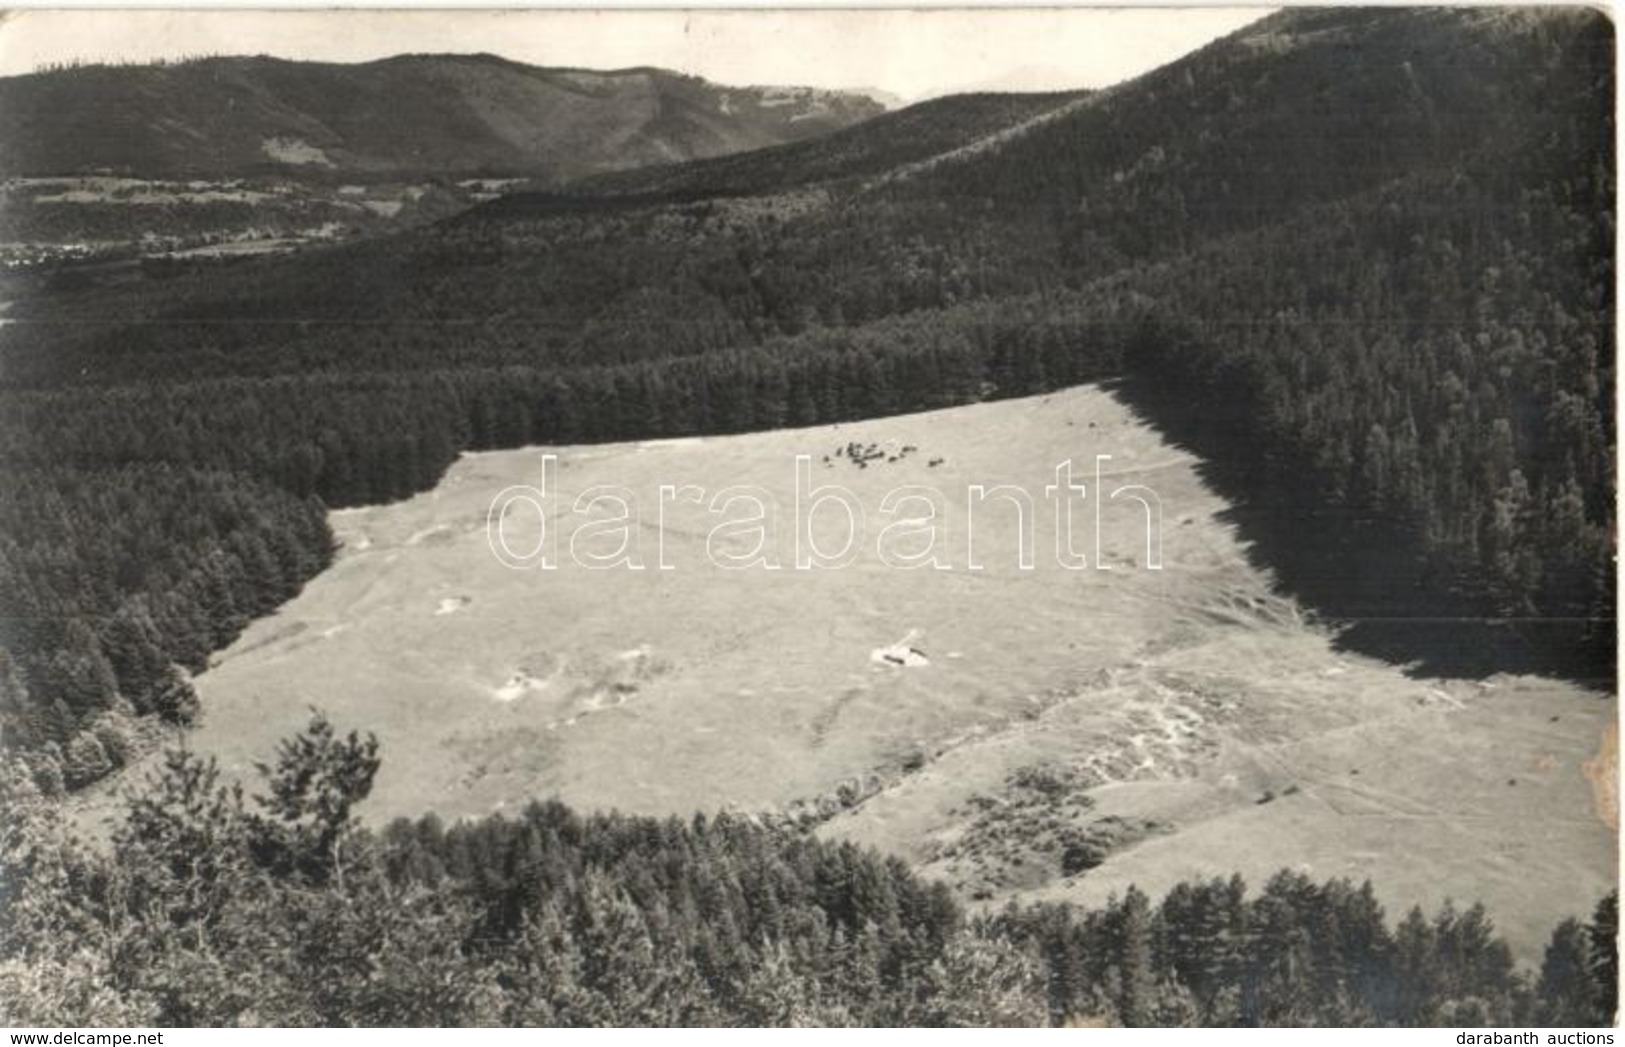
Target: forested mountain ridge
x=1233, y=137
x=407, y=116
x=1373, y=248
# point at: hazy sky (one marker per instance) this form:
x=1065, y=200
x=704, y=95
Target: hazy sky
x=912, y=54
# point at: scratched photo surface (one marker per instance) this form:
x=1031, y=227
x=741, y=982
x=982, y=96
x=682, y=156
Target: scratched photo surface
x=795, y=518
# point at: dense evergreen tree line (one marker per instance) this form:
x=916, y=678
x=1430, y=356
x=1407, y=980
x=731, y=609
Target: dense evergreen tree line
x=118, y=581
x=355, y=439
x=214, y=909
x=1302, y=953
x=1450, y=419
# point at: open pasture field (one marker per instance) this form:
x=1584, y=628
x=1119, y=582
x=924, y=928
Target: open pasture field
x=1049, y=732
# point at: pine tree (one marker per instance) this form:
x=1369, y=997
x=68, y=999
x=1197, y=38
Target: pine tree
x=1565, y=994
x=313, y=787
x=1134, y=999
x=1603, y=933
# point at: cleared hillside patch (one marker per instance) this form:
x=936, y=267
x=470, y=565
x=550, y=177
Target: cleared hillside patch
x=1061, y=732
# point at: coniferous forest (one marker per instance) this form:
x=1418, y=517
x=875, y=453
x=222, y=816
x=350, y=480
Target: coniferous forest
x=211, y=908
x=1375, y=247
